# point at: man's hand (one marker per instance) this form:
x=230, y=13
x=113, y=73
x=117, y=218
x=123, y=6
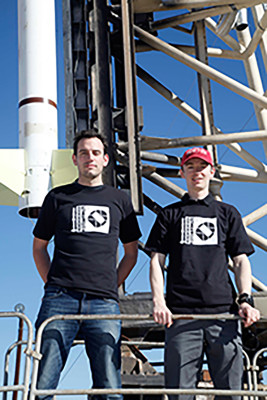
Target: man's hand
x=249, y=314
x=162, y=315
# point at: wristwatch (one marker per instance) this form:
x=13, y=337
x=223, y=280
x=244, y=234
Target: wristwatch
x=245, y=298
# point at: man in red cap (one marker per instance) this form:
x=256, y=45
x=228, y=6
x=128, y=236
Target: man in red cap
x=199, y=234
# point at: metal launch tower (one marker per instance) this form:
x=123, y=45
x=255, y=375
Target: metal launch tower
x=102, y=41
x=111, y=53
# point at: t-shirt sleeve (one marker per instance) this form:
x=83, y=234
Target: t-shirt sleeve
x=45, y=225
x=238, y=241
x=129, y=228
x=158, y=240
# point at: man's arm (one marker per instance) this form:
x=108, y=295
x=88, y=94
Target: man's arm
x=242, y=273
x=161, y=313
x=41, y=257
x=128, y=261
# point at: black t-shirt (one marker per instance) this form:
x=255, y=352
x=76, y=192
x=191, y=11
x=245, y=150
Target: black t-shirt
x=199, y=236
x=86, y=223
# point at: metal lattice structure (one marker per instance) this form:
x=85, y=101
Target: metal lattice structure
x=102, y=41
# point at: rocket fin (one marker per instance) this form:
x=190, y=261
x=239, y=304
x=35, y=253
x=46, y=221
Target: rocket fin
x=12, y=173
x=63, y=170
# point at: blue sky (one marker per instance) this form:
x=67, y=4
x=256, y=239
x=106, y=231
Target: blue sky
x=20, y=282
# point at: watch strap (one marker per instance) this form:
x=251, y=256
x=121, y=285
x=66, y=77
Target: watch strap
x=245, y=298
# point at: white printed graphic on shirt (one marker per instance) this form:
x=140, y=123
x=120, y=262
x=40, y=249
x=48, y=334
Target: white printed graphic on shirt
x=90, y=219
x=199, y=231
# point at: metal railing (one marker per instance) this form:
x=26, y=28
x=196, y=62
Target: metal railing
x=12, y=347
x=33, y=357
x=255, y=368
x=24, y=387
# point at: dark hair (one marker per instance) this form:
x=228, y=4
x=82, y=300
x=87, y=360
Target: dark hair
x=90, y=133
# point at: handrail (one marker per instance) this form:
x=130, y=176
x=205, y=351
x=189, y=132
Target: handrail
x=34, y=391
x=7, y=357
x=35, y=355
x=248, y=371
x=28, y=352
x=156, y=391
x=255, y=368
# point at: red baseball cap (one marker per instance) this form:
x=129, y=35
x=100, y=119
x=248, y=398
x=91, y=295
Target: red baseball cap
x=197, y=152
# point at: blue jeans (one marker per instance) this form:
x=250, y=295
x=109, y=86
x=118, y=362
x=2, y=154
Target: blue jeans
x=102, y=339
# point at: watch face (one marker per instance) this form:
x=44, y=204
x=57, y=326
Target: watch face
x=250, y=301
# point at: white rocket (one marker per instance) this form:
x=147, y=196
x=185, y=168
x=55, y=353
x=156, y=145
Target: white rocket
x=26, y=174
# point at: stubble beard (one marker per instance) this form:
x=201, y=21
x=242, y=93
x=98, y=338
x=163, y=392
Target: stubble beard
x=91, y=175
